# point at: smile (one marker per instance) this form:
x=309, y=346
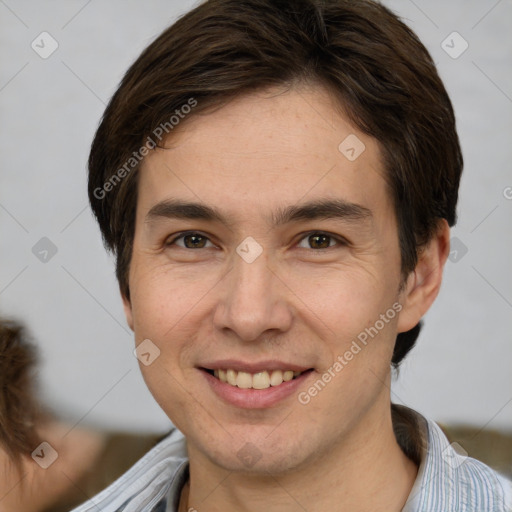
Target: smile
x=258, y=380
x=254, y=385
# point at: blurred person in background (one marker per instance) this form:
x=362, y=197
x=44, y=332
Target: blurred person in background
x=26, y=430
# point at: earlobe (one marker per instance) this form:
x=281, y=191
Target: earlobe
x=127, y=310
x=424, y=282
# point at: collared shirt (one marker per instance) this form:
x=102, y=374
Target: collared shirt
x=450, y=481
x=447, y=481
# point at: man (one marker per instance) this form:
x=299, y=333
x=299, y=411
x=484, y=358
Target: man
x=278, y=181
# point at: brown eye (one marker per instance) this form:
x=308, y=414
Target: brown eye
x=319, y=241
x=194, y=241
x=190, y=241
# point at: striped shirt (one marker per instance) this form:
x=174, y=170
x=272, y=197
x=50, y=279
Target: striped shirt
x=450, y=481
x=447, y=480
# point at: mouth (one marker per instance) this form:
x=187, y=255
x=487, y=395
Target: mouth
x=258, y=380
x=255, y=384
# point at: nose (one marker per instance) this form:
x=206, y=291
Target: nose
x=254, y=300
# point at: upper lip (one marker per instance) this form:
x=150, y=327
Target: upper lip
x=252, y=367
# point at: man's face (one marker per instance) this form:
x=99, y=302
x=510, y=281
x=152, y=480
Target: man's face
x=260, y=289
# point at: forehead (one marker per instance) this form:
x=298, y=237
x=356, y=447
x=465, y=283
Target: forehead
x=267, y=149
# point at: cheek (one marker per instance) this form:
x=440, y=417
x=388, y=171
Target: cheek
x=354, y=313
x=166, y=386
x=165, y=297
x=169, y=308
x=343, y=300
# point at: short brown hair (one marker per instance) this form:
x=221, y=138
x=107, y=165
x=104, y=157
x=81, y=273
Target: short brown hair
x=359, y=50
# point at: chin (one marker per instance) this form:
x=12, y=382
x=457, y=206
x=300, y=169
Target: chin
x=260, y=463
x=260, y=454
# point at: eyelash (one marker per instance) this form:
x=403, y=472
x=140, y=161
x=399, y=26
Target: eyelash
x=341, y=241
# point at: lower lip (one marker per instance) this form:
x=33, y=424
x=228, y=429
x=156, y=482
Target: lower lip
x=255, y=398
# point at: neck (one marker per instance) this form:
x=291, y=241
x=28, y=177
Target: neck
x=365, y=471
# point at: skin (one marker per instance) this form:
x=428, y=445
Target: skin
x=296, y=302
x=33, y=489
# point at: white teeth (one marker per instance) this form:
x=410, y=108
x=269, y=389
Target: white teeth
x=260, y=380
x=276, y=378
x=231, y=377
x=244, y=380
x=287, y=375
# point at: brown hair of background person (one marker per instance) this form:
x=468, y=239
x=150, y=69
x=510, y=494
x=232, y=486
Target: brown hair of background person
x=25, y=486
x=385, y=81
x=19, y=411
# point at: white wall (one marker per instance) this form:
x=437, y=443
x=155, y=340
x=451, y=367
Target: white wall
x=49, y=109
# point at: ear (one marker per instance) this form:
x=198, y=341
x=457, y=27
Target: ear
x=424, y=282
x=127, y=306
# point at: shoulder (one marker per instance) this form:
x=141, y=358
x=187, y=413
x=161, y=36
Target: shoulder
x=452, y=480
x=482, y=488
x=149, y=480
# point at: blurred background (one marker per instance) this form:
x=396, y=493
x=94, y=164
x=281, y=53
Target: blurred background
x=61, y=61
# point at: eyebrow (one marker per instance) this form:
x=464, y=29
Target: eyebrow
x=320, y=209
